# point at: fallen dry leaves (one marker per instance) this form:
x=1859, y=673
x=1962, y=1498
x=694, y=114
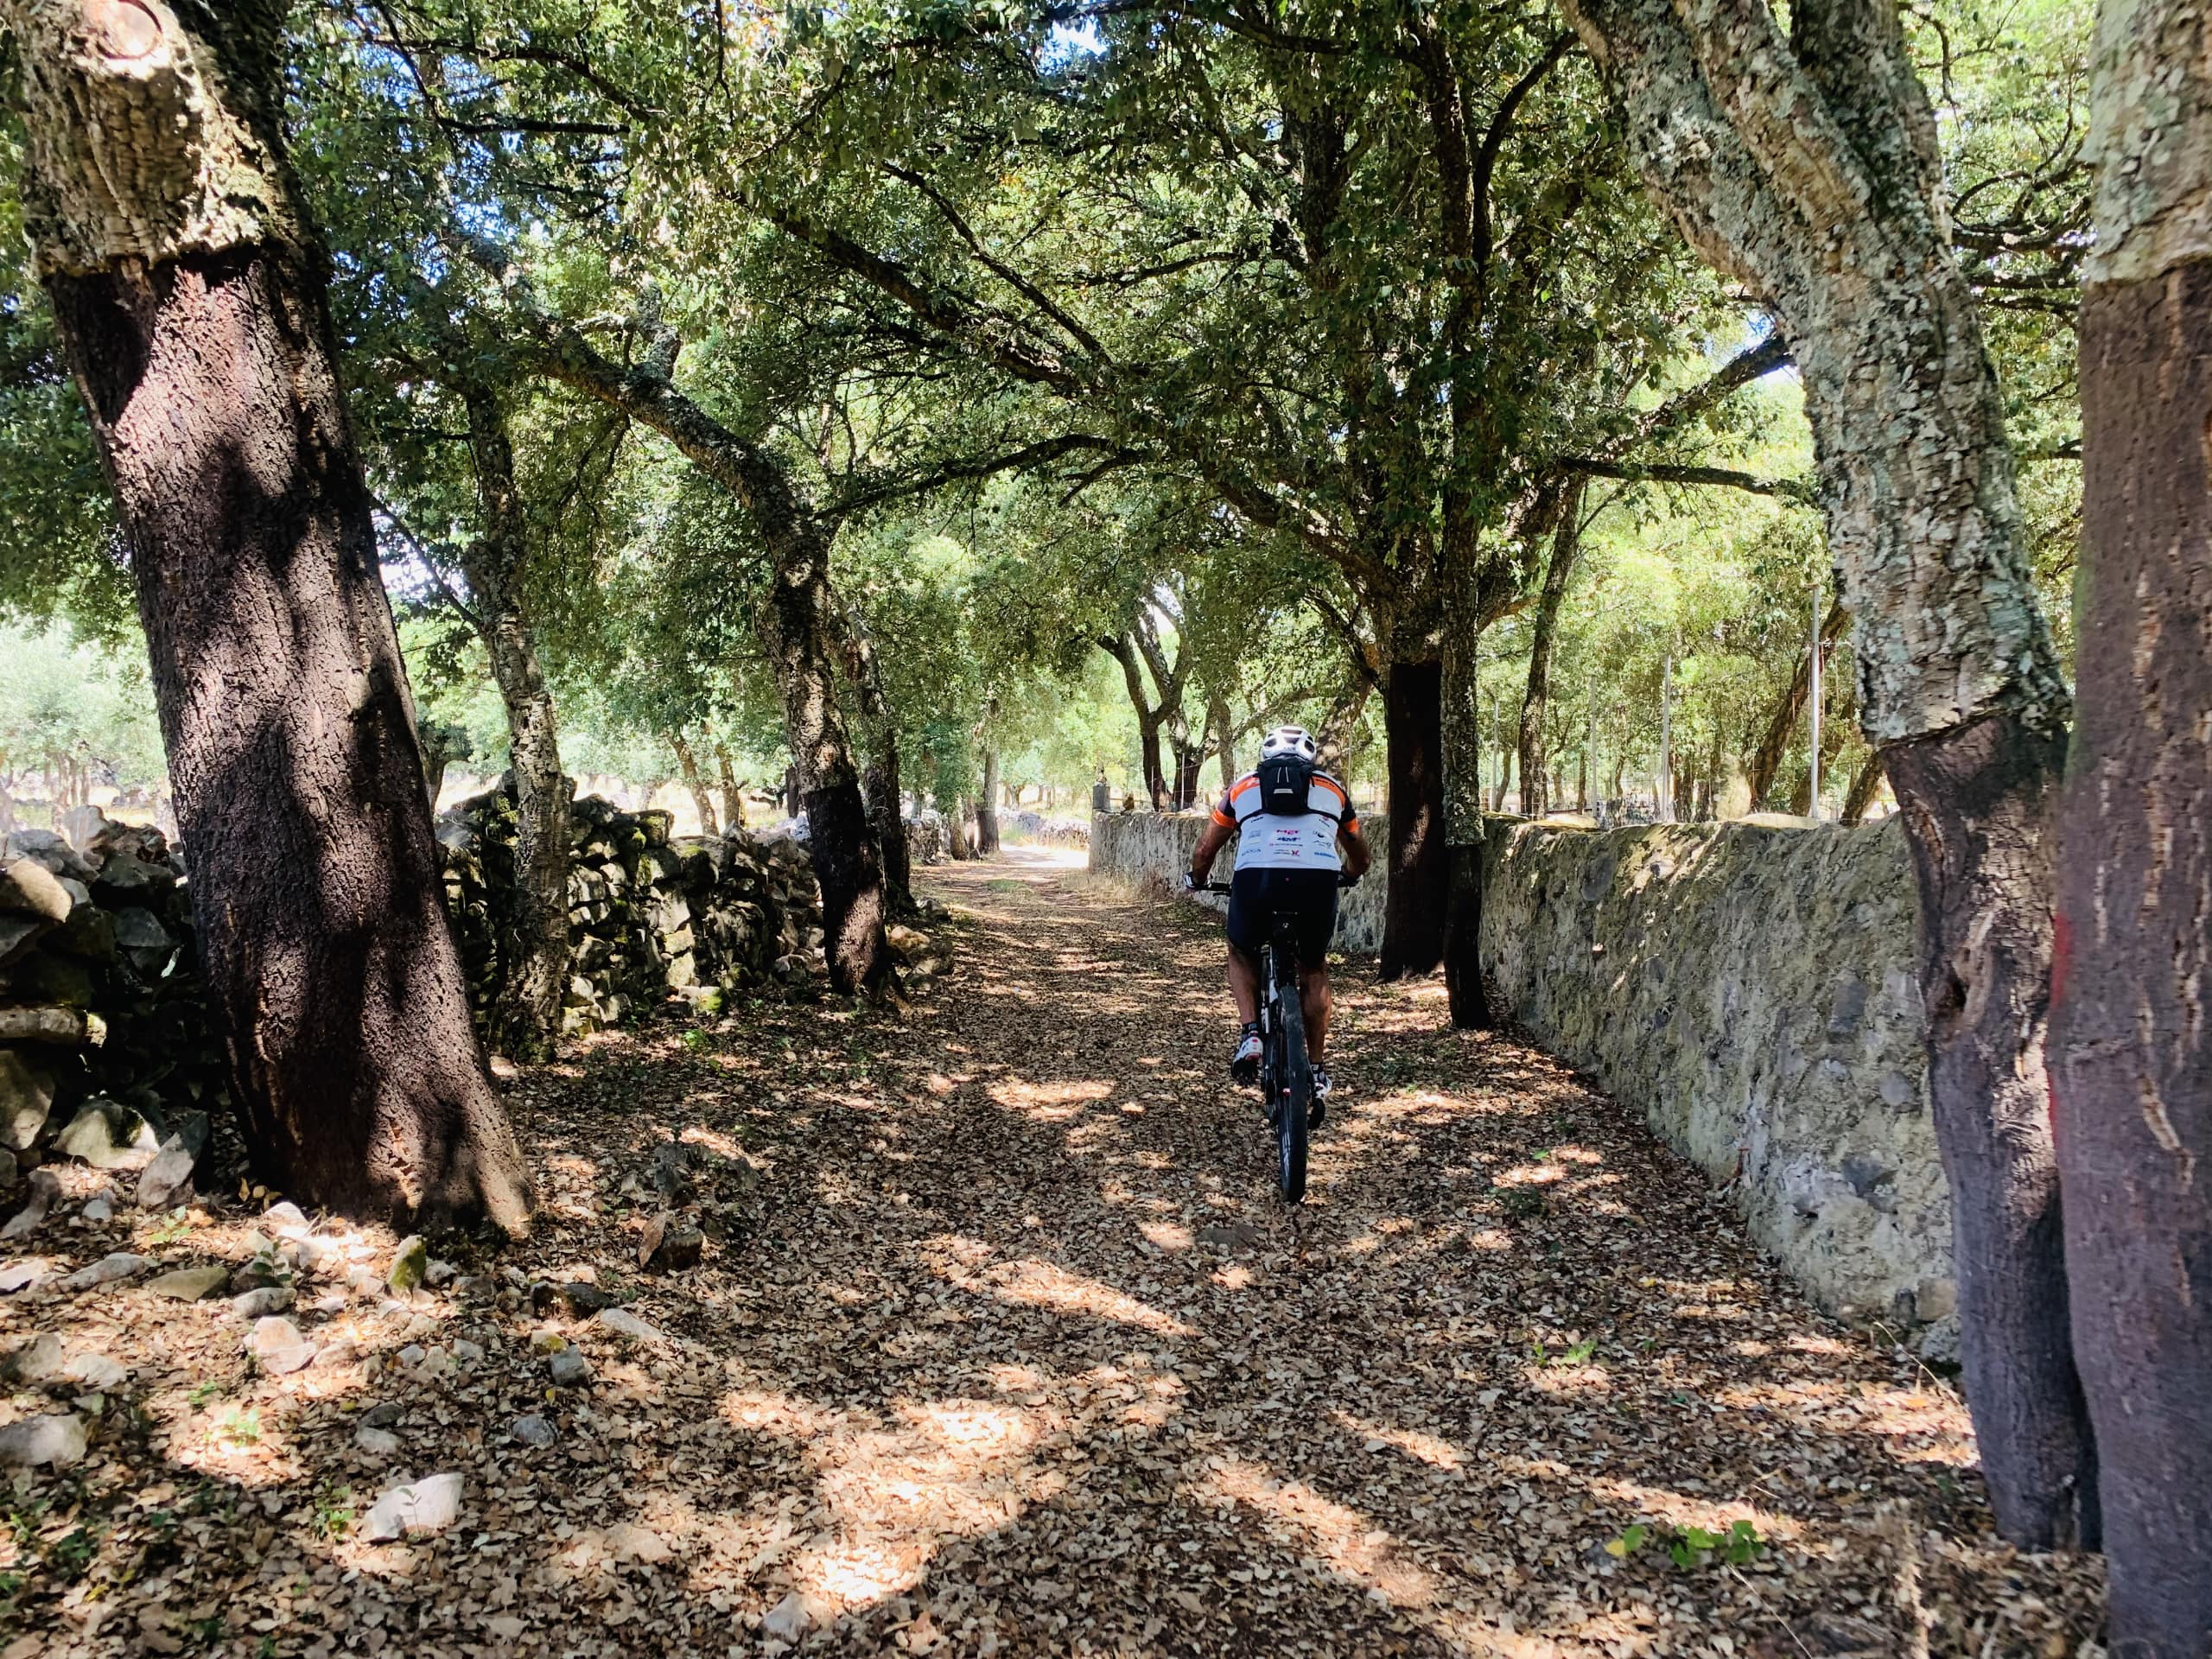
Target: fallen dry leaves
x=1001, y=1345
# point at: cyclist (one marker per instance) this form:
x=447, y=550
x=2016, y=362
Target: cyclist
x=1296, y=834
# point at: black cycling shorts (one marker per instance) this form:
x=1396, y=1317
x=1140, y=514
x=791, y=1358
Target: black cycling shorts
x=1310, y=896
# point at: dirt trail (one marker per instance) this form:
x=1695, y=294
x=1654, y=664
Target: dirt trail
x=1003, y=1344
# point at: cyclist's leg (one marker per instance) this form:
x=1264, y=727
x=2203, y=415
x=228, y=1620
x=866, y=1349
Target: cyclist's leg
x=1247, y=931
x=1313, y=998
x=1244, y=985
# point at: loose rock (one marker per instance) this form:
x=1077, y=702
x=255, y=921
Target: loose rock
x=409, y=1266
x=190, y=1284
x=622, y=1322
x=533, y=1430
x=671, y=1245
x=45, y=1189
x=569, y=1369
x=167, y=1178
x=107, y=1270
x=260, y=1303
x=279, y=1345
x=418, y=1508
x=51, y=1442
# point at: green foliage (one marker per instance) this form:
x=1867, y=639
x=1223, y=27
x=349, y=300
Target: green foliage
x=1691, y=1548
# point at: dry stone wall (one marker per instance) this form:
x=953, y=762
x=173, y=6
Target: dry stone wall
x=1751, y=990
x=106, y=1052
x=650, y=915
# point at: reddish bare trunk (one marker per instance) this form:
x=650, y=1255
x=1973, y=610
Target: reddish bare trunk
x=2132, y=1096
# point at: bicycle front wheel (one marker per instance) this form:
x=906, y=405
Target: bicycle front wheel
x=1291, y=1093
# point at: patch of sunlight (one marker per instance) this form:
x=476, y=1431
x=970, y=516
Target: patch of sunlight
x=1235, y=1277
x=1683, y=1510
x=1031, y=1282
x=1050, y=1102
x=949, y=1250
x=1530, y=1175
x=1561, y=1382
x=1490, y=1238
x=1167, y=1235
x=1422, y=1448
x=1298, y=1514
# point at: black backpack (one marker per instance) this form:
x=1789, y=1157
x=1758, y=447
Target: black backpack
x=1285, y=783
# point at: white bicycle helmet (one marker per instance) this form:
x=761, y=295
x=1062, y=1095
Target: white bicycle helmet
x=1289, y=739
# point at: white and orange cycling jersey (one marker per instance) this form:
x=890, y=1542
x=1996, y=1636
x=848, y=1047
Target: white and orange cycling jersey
x=1286, y=841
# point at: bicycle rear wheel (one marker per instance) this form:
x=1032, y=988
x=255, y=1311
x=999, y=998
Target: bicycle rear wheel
x=1290, y=1084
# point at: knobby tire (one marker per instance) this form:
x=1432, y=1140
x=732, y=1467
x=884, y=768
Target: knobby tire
x=1290, y=1084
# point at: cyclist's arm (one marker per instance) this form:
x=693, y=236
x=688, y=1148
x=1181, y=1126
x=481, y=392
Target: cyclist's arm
x=1210, y=845
x=1353, y=846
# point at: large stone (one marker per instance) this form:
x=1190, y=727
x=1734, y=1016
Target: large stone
x=19, y=934
x=95, y=1373
x=671, y=1245
x=190, y=1284
x=279, y=1345
x=51, y=1442
x=107, y=1270
x=419, y=1509
x=44, y=1190
x=26, y=1099
x=108, y=1135
x=167, y=1178
x=625, y=1324
x=35, y=1362
x=67, y=1027
x=29, y=888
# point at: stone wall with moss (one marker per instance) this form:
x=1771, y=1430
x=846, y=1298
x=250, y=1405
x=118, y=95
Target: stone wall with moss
x=1751, y=990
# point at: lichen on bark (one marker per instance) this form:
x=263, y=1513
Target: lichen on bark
x=139, y=149
x=2151, y=140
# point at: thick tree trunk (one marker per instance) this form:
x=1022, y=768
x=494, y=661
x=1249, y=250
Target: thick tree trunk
x=2132, y=1100
x=1559, y=571
x=1975, y=801
x=987, y=807
x=1190, y=762
x=534, y=934
x=1808, y=168
x=880, y=783
x=1223, y=725
x=695, y=781
x=1414, y=863
x=198, y=332
x=733, y=791
x=1864, y=783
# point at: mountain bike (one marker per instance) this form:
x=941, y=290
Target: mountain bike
x=1286, y=1071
